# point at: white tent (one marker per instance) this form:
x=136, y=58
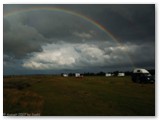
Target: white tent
x=65, y=75
x=77, y=75
x=121, y=74
x=108, y=74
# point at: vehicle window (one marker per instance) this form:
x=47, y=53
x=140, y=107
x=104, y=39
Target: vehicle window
x=138, y=71
x=147, y=74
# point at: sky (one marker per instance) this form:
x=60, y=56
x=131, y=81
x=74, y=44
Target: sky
x=53, y=39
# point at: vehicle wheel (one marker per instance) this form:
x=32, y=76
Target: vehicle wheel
x=133, y=80
x=138, y=80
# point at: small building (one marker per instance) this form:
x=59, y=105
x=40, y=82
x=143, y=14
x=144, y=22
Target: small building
x=121, y=74
x=108, y=74
x=65, y=75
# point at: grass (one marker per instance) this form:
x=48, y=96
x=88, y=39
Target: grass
x=87, y=96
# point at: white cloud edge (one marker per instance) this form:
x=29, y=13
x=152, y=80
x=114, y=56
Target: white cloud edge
x=76, y=55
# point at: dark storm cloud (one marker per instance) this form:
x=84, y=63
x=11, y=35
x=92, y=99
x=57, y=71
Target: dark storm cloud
x=126, y=22
x=21, y=40
x=32, y=30
x=57, y=27
x=132, y=22
x=6, y=26
x=49, y=40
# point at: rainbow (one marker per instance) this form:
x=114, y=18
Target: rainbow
x=66, y=11
x=55, y=9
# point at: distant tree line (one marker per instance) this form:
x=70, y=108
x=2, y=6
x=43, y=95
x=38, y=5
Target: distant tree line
x=115, y=73
x=101, y=73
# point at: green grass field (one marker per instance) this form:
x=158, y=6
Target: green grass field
x=70, y=96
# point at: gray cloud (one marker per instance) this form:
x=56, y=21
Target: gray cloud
x=22, y=39
x=73, y=56
x=129, y=22
x=81, y=55
x=6, y=25
x=29, y=31
x=54, y=40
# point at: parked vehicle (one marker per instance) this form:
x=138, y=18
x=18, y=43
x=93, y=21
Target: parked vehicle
x=140, y=75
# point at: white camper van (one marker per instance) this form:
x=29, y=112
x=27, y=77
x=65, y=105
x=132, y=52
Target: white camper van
x=140, y=75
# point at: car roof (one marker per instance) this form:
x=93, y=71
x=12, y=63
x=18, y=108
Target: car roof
x=140, y=70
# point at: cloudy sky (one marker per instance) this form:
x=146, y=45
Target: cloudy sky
x=45, y=39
